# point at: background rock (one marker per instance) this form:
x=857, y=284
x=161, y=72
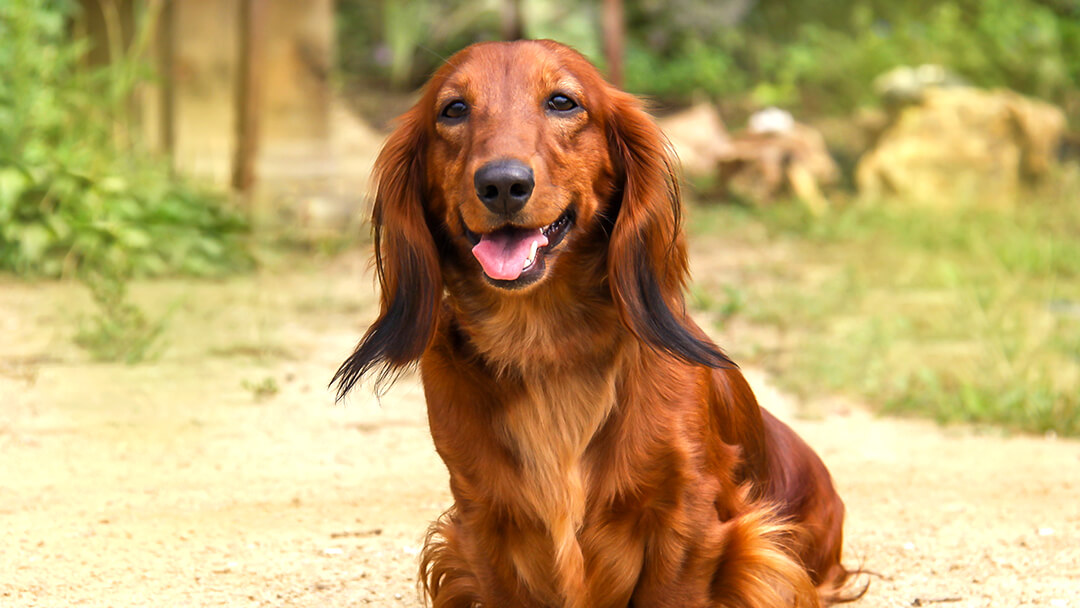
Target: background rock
x=699, y=137
x=780, y=158
x=961, y=145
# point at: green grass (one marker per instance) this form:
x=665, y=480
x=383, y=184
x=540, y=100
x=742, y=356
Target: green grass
x=963, y=315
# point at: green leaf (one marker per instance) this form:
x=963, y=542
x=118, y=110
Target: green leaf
x=13, y=182
x=33, y=239
x=134, y=238
x=113, y=184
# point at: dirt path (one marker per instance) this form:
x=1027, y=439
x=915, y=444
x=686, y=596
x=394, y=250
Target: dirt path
x=174, y=484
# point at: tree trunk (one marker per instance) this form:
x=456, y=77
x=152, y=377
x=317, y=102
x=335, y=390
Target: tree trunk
x=248, y=94
x=614, y=34
x=166, y=57
x=513, y=22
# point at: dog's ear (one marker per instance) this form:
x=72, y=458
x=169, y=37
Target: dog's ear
x=406, y=262
x=647, y=263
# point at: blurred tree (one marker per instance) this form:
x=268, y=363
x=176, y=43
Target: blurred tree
x=248, y=94
x=513, y=20
x=614, y=35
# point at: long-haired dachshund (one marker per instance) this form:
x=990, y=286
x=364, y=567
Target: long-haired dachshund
x=602, y=451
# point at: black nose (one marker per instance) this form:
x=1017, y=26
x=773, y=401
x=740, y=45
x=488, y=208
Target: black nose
x=504, y=186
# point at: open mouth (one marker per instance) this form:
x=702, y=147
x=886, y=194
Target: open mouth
x=512, y=256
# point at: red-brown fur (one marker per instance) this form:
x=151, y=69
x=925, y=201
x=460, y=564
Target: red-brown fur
x=602, y=451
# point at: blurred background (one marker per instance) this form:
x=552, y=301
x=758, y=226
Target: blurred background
x=915, y=164
x=883, y=207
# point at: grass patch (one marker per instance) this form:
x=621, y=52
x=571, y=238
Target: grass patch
x=120, y=330
x=966, y=315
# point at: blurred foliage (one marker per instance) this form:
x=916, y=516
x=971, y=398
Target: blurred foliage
x=821, y=58
x=812, y=57
x=75, y=192
x=399, y=43
x=826, y=55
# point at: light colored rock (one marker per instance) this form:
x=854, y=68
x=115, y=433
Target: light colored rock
x=771, y=120
x=906, y=84
x=699, y=138
x=773, y=157
x=962, y=145
x=763, y=166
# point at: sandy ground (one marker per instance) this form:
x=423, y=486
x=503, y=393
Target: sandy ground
x=174, y=483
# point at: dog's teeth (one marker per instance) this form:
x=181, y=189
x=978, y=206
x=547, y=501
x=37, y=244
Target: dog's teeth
x=532, y=255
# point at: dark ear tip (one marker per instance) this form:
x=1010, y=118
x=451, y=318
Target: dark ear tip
x=345, y=378
x=721, y=361
x=704, y=352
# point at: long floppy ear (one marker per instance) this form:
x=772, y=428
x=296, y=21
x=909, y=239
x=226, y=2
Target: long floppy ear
x=647, y=262
x=406, y=262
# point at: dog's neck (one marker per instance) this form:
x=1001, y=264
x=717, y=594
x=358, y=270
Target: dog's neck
x=554, y=330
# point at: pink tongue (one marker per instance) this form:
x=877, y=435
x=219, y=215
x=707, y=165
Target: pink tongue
x=503, y=253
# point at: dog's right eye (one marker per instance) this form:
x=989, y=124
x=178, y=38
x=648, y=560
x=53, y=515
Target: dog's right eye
x=561, y=103
x=455, y=109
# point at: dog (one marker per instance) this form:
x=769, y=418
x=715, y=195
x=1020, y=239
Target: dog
x=602, y=451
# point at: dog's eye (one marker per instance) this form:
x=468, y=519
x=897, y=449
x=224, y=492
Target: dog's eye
x=561, y=103
x=455, y=109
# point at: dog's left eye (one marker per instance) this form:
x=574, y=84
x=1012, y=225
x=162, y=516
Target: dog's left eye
x=455, y=109
x=561, y=103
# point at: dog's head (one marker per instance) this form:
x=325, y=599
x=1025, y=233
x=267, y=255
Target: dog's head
x=517, y=162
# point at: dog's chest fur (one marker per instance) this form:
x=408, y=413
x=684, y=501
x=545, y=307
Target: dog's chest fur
x=562, y=399
x=549, y=429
